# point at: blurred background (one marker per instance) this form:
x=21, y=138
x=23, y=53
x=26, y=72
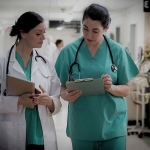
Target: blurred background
x=130, y=26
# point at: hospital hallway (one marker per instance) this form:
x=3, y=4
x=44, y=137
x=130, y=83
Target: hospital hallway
x=104, y=43
x=64, y=143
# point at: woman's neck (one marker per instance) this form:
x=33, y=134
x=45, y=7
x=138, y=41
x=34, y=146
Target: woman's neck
x=94, y=48
x=24, y=50
x=97, y=45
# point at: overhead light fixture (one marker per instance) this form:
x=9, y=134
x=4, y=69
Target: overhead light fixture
x=59, y=28
x=68, y=18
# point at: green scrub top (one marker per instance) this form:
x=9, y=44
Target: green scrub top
x=34, y=133
x=101, y=117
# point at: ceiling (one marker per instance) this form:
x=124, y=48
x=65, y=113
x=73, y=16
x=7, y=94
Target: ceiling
x=10, y=10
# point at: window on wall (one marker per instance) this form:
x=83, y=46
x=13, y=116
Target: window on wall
x=132, y=40
x=118, y=34
x=112, y=36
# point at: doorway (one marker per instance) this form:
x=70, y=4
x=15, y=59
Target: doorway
x=132, y=40
x=118, y=34
x=112, y=36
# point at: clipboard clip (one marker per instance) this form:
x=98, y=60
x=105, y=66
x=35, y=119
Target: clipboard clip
x=83, y=80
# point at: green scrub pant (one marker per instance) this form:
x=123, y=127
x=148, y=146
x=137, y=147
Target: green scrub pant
x=118, y=143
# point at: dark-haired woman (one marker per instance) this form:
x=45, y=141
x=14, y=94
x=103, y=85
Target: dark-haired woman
x=59, y=44
x=21, y=127
x=97, y=122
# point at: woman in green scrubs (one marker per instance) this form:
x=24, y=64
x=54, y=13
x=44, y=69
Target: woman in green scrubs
x=97, y=122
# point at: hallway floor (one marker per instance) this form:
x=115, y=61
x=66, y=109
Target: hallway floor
x=64, y=143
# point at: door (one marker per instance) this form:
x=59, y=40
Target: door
x=118, y=34
x=112, y=36
x=132, y=40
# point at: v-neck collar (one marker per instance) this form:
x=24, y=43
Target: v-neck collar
x=21, y=62
x=88, y=53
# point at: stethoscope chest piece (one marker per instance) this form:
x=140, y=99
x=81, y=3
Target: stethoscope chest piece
x=114, y=68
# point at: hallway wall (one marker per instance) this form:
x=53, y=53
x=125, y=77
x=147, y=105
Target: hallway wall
x=147, y=29
x=123, y=19
x=67, y=35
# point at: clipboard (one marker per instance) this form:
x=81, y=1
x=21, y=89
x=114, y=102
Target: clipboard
x=17, y=87
x=88, y=86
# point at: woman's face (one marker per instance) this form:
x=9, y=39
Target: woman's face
x=93, y=31
x=34, y=38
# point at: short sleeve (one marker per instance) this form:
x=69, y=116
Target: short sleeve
x=126, y=67
x=61, y=67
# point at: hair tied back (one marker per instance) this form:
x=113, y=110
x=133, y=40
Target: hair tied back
x=14, y=31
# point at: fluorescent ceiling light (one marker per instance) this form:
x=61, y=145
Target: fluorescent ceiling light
x=68, y=18
x=66, y=3
x=59, y=28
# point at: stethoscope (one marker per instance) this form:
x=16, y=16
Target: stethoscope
x=37, y=55
x=114, y=68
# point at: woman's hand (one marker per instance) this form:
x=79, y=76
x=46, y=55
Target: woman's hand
x=116, y=90
x=70, y=96
x=107, y=82
x=43, y=99
x=27, y=100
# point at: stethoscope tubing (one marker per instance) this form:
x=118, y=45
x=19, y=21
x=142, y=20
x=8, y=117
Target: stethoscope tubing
x=10, y=55
x=109, y=49
x=9, y=61
x=113, y=67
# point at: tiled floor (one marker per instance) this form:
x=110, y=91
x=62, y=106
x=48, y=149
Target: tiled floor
x=64, y=143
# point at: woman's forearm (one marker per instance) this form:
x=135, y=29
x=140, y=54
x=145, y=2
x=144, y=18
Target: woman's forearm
x=120, y=90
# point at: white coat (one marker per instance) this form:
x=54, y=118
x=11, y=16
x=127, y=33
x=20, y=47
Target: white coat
x=12, y=117
x=49, y=50
x=55, y=55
